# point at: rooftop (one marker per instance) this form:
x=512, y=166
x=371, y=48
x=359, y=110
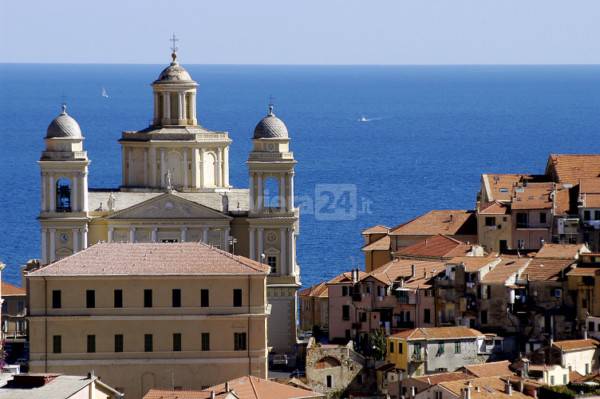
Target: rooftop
x=45, y=386
x=377, y=229
x=491, y=369
x=474, y=263
x=561, y=251
x=533, y=196
x=438, y=333
x=483, y=388
x=250, y=387
x=317, y=290
x=438, y=246
x=449, y=222
x=500, y=187
x=346, y=277
x=434, y=379
x=403, y=268
x=504, y=270
x=493, y=208
x=382, y=244
x=126, y=259
x=576, y=344
x=12, y=290
x=541, y=269
x=571, y=168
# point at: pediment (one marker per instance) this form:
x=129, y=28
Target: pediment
x=168, y=206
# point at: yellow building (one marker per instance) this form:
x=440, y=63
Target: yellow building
x=150, y=315
x=175, y=188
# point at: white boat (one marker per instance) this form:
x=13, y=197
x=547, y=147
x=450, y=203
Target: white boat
x=104, y=93
x=363, y=119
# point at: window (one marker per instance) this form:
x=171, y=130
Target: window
x=177, y=342
x=564, y=379
x=587, y=368
x=205, y=341
x=587, y=215
x=346, y=312
x=90, y=299
x=584, y=303
x=118, y=298
x=272, y=262
x=591, y=326
x=204, y=301
x=329, y=381
x=441, y=349
x=490, y=221
x=400, y=347
x=391, y=347
x=347, y=335
x=63, y=195
x=522, y=220
x=363, y=317
x=176, y=297
x=56, y=344
x=484, y=317
x=489, y=291
x=237, y=297
x=438, y=395
x=597, y=215
x=147, y=298
x=521, y=244
x=457, y=347
x=119, y=343
x=344, y=291
x=542, y=217
x=91, y=343
x=56, y=299
x=417, y=351
x=551, y=380
x=148, y=343
x=239, y=341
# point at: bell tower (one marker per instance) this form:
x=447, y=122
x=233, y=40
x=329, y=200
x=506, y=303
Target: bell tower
x=64, y=191
x=273, y=224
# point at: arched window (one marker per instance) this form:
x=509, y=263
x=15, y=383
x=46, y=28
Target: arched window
x=271, y=192
x=63, y=195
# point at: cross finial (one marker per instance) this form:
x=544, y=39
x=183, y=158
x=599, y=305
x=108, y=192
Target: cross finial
x=271, y=105
x=174, y=47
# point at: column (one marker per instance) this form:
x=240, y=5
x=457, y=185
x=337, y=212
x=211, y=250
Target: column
x=251, y=199
x=75, y=193
x=166, y=108
x=184, y=230
x=205, y=235
x=201, y=168
x=193, y=108
x=152, y=167
x=132, y=234
x=84, y=240
x=130, y=168
x=252, y=249
x=44, y=193
x=185, y=168
x=146, y=167
x=290, y=197
x=195, y=168
x=111, y=231
x=52, y=207
x=219, y=167
x=260, y=244
x=181, y=106
x=84, y=191
x=283, y=263
x=163, y=168
x=154, y=234
x=282, y=196
x=75, y=240
x=291, y=266
x=44, y=246
x=156, y=110
x=226, y=239
x=226, y=166
x=259, y=194
x=52, y=245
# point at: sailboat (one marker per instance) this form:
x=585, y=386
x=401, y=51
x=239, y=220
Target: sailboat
x=104, y=93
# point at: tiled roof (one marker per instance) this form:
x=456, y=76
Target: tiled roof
x=491, y=369
x=474, y=263
x=449, y=222
x=589, y=186
x=576, y=344
x=438, y=333
x=434, y=379
x=151, y=259
x=169, y=394
x=11, y=290
x=504, y=270
x=533, y=196
x=402, y=268
x=561, y=251
x=493, y=208
x=502, y=185
x=540, y=269
x=483, y=388
x=378, y=229
x=383, y=244
x=584, y=271
x=346, y=277
x=591, y=200
x=250, y=387
x=437, y=246
x=317, y=290
x=570, y=168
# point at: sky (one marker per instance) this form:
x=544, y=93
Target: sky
x=302, y=31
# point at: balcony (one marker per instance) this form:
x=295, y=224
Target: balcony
x=417, y=357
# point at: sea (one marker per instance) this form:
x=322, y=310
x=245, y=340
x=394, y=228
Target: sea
x=374, y=144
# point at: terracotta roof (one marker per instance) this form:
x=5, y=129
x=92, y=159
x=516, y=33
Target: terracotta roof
x=584, y=271
x=383, y=244
x=576, y=344
x=574, y=376
x=434, y=379
x=570, y=168
x=151, y=259
x=317, y=290
x=561, y=251
x=540, y=269
x=169, y=394
x=438, y=246
x=493, y=208
x=502, y=185
x=483, y=388
x=378, y=229
x=250, y=387
x=533, y=196
x=591, y=200
x=12, y=290
x=473, y=263
x=589, y=186
x=438, y=333
x=449, y=222
x=505, y=269
x=402, y=268
x=345, y=277
x=491, y=369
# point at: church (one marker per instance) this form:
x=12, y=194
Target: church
x=175, y=188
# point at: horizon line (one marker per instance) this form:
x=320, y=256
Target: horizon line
x=306, y=65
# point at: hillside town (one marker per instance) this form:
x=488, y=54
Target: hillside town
x=178, y=285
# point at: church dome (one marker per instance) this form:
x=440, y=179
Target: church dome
x=63, y=126
x=270, y=127
x=174, y=73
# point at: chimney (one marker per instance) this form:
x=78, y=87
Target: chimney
x=413, y=271
x=354, y=276
x=212, y=395
x=585, y=336
x=508, y=388
x=525, y=371
x=467, y=391
x=226, y=386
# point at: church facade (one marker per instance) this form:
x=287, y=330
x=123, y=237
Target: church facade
x=175, y=188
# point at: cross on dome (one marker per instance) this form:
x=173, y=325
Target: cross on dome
x=174, y=47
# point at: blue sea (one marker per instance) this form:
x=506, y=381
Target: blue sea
x=427, y=134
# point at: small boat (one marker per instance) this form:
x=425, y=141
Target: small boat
x=363, y=119
x=104, y=93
